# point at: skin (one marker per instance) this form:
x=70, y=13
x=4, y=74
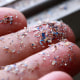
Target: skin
x=18, y=22
x=57, y=75
x=62, y=56
x=19, y=45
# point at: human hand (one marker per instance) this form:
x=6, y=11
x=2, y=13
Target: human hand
x=35, y=44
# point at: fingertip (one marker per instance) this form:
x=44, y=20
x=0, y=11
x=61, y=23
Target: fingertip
x=11, y=20
x=57, y=75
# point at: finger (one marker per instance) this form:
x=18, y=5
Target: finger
x=19, y=45
x=63, y=56
x=56, y=75
x=11, y=20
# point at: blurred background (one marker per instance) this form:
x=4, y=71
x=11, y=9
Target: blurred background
x=37, y=11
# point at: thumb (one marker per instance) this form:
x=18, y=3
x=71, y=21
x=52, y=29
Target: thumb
x=57, y=75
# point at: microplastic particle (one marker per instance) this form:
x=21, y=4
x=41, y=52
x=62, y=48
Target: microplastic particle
x=11, y=18
x=49, y=41
x=41, y=43
x=11, y=22
x=37, y=28
x=32, y=44
x=25, y=65
x=44, y=58
x=43, y=53
x=67, y=43
x=5, y=47
x=1, y=21
x=53, y=49
x=65, y=64
x=53, y=62
x=70, y=59
x=13, y=50
x=55, y=58
x=16, y=16
x=43, y=36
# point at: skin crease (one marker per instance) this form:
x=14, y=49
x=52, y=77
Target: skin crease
x=32, y=65
x=19, y=21
x=56, y=75
x=17, y=46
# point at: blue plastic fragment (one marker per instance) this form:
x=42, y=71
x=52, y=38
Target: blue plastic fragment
x=41, y=42
x=43, y=36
